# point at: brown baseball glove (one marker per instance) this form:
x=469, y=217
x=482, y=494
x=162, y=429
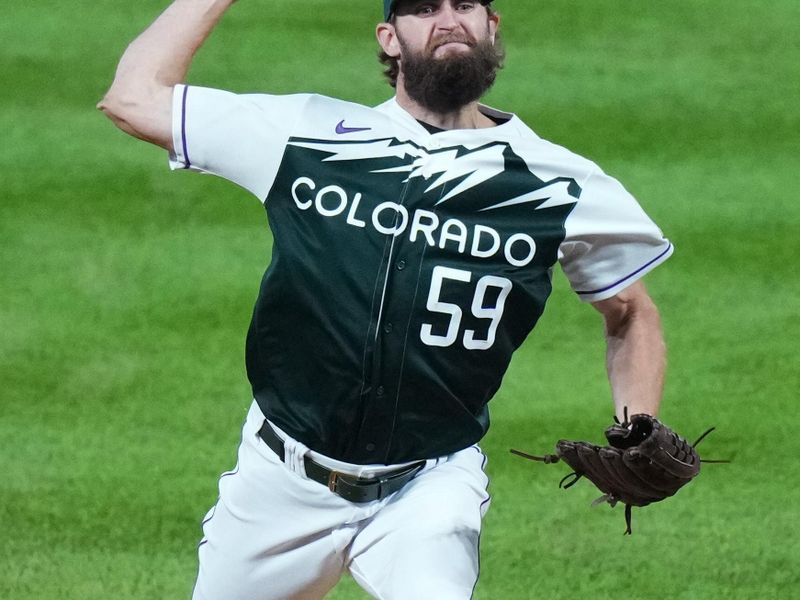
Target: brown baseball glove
x=644, y=462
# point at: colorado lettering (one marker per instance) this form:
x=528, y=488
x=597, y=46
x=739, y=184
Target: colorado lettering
x=391, y=218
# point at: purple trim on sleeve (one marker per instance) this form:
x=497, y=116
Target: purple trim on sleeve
x=183, y=129
x=636, y=272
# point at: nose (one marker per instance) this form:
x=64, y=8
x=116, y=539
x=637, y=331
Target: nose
x=448, y=17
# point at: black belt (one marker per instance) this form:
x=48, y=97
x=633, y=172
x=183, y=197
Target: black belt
x=349, y=487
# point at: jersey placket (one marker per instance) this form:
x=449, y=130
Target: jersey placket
x=392, y=334
x=391, y=323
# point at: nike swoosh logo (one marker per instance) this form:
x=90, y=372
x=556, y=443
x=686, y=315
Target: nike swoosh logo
x=340, y=128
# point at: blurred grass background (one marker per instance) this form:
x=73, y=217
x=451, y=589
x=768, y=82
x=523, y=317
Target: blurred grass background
x=126, y=292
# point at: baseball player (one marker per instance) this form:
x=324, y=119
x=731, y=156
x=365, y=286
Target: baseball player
x=413, y=249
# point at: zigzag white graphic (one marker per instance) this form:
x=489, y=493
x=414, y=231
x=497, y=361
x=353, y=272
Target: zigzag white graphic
x=474, y=167
x=477, y=166
x=553, y=194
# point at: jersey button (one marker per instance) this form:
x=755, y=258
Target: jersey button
x=380, y=390
x=401, y=264
x=370, y=447
x=388, y=328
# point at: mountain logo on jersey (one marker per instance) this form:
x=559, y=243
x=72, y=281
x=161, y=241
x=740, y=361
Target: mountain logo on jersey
x=494, y=172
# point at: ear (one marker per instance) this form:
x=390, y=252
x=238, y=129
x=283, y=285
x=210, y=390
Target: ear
x=494, y=23
x=387, y=38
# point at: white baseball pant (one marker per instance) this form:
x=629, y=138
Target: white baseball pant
x=275, y=535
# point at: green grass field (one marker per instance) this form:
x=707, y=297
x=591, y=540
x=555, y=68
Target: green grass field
x=126, y=293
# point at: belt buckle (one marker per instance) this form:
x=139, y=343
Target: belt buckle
x=332, y=479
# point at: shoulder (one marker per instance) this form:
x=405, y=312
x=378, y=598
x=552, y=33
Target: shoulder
x=346, y=121
x=266, y=101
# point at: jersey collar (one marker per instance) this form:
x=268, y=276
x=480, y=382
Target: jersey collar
x=392, y=107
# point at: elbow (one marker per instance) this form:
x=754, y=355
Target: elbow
x=117, y=107
x=631, y=310
x=145, y=115
x=107, y=104
x=642, y=319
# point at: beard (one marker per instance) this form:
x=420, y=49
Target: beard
x=446, y=84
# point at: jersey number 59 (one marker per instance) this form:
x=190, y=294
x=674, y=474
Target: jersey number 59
x=493, y=313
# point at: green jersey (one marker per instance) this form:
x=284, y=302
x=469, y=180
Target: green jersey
x=408, y=263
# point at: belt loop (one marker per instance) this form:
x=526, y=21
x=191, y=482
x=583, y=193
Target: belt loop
x=294, y=456
x=382, y=487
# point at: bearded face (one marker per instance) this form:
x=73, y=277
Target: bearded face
x=452, y=71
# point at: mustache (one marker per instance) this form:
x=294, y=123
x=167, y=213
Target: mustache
x=452, y=38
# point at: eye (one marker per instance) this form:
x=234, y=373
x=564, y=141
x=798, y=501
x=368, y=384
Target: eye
x=425, y=9
x=465, y=6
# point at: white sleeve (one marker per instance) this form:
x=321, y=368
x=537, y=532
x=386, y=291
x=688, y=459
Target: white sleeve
x=239, y=137
x=610, y=242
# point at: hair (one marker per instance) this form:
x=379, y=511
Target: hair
x=392, y=65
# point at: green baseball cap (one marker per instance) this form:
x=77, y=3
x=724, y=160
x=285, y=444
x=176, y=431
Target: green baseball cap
x=388, y=7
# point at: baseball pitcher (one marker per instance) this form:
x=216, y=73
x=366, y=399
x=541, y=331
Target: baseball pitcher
x=414, y=244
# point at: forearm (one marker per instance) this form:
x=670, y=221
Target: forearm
x=139, y=100
x=636, y=355
x=636, y=361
